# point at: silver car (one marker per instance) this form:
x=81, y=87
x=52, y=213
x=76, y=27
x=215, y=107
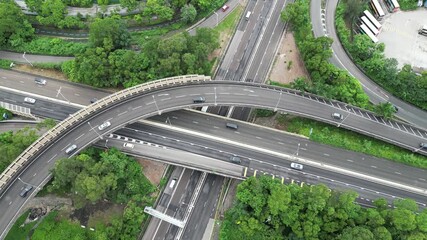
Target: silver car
x=104, y=125
x=297, y=166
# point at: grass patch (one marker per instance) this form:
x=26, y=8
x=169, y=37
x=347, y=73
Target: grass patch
x=51, y=46
x=5, y=64
x=55, y=227
x=18, y=232
x=339, y=137
x=230, y=21
x=142, y=36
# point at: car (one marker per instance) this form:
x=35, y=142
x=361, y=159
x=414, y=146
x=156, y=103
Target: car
x=423, y=145
x=71, y=149
x=93, y=100
x=128, y=145
x=26, y=190
x=231, y=126
x=337, y=116
x=104, y=125
x=297, y=166
x=172, y=184
x=225, y=7
x=40, y=81
x=29, y=100
x=235, y=159
x=199, y=100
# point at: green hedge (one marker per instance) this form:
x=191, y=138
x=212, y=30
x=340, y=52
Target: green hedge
x=51, y=46
x=339, y=137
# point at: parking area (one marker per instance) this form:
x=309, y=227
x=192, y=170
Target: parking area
x=402, y=41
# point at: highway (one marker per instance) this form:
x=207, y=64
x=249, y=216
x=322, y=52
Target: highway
x=340, y=59
x=83, y=134
x=260, y=163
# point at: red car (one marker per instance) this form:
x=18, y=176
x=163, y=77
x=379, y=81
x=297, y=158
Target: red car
x=224, y=8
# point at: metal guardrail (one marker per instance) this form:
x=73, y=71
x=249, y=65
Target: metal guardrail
x=18, y=110
x=26, y=157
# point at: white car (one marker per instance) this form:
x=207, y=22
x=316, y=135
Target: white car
x=297, y=166
x=29, y=100
x=40, y=81
x=128, y=145
x=104, y=125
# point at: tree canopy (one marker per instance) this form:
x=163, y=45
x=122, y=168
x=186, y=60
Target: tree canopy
x=14, y=26
x=267, y=209
x=178, y=55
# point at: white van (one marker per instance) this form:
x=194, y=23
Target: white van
x=172, y=184
x=248, y=14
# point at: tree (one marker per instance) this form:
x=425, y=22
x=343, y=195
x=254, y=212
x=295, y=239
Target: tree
x=357, y=233
x=188, y=13
x=129, y=4
x=386, y=110
x=52, y=12
x=353, y=9
x=109, y=34
x=14, y=26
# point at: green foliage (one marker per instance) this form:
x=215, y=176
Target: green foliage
x=346, y=139
x=129, y=4
x=370, y=57
x=264, y=113
x=158, y=8
x=188, y=13
x=54, y=227
x=18, y=231
x=14, y=26
x=51, y=46
x=267, y=209
x=178, y=55
x=5, y=64
x=111, y=174
x=385, y=110
x=408, y=5
x=13, y=144
x=46, y=123
x=109, y=33
x=326, y=79
x=55, y=66
x=8, y=114
x=96, y=174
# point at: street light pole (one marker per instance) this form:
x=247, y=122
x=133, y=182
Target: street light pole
x=155, y=103
x=60, y=93
x=100, y=137
x=217, y=22
x=343, y=120
x=215, y=95
x=23, y=55
x=106, y=141
x=36, y=187
x=278, y=101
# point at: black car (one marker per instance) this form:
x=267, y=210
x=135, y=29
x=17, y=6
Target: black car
x=26, y=190
x=93, y=100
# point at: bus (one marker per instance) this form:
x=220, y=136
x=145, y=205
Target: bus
x=366, y=30
x=395, y=5
x=372, y=19
x=377, y=7
x=371, y=26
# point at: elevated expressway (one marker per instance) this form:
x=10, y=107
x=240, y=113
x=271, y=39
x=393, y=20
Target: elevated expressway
x=171, y=94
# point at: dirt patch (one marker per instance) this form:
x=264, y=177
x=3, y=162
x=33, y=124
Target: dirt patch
x=41, y=72
x=152, y=170
x=288, y=64
x=100, y=211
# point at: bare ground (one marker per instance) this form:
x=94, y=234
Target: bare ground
x=288, y=64
x=152, y=170
x=41, y=72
